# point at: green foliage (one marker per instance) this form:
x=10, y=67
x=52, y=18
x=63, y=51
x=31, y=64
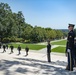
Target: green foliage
x=12, y=39
x=59, y=49
x=51, y=34
x=6, y=40
x=37, y=34
x=27, y=32
x=59, y=34
x=26, y=41
x=15, y=39
x=13, y=26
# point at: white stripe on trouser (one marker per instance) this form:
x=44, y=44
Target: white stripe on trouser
x=70, y=60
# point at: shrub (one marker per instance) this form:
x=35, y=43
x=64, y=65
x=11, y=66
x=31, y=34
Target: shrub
x=19, y=40
x=6, y=40
x=12, y=39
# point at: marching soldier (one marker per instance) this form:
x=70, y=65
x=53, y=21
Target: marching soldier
x=70, y=47
x=26, y=49
x=4, y=48
x=19, y=49
x=11, y=47
x=48, y=51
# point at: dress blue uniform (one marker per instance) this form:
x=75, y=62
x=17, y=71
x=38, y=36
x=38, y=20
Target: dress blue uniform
x=70, y=49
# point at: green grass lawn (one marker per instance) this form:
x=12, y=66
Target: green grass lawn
x=63, y=42
x=59, y=49
x=31, y=46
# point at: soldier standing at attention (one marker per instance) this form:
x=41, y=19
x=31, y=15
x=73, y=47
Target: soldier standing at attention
x=48, y=51
x=19, y=49
x=70, y=47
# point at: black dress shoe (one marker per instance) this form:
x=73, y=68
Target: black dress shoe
x=71, y=70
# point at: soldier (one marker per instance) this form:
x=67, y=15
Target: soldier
x=75, y=53
x=19, y=49
x=26, y=49
x=4, y=48
x=11, y=47
x=48, y=51
x=70, y=47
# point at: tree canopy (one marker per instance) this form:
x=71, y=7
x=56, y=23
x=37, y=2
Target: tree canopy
x=13, y=26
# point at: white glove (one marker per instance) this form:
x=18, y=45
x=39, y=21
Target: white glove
x=68, y=50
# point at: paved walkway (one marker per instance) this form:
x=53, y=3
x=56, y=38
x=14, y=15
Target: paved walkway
x=33, y=64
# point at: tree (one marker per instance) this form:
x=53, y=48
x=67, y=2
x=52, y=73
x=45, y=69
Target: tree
x=51, y=34
x=13, y=25
x=4, y=11
x=20, y=23
x=59, y=34
x=37, y=34
x=27, y=32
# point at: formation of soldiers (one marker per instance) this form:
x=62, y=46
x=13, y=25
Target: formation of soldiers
x=12, y=48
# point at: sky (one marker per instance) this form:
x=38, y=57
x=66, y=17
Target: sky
x=56, y=14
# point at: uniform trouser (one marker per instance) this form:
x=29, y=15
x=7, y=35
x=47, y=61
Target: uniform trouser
x=11, y=50
x=74, y=58
x=48, y=57
x=74, y=62
x=4, y=50
x=70, y=61
x=26, y=53
x=19, y=52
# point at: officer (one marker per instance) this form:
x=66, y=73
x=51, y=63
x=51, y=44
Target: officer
x=48, y=51
x=74, y=52
x=11, y=47
x=19, y=49
x=70, y=47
